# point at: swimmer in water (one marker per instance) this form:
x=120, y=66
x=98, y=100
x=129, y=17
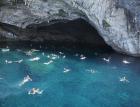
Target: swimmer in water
x=29, y=53
x=8, y=62
x=19, y=61
x=126, y=62
x=64, y=57
x=34, y=59
x=5, y=49
x=34, y=50
x=66, y=70
x=91, y=70
x=35, y=91
x=25, y=80
x=82, y=57
x=107, y=59
x=61, y=53
x=47, y=63
x=123, y=79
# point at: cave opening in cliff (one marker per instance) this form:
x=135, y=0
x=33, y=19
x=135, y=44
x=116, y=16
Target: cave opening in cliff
x=52, y=55
x=69, y=33
x=65, y=32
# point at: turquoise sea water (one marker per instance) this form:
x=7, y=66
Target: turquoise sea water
x=70, y=78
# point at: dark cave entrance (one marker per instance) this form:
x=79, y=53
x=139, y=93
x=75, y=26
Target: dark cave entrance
x=66, y=33
x=78, y=32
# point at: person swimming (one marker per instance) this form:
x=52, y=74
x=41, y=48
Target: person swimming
x=34, y=50
x=47, y=63
x=34, y=59
x=126, y=62
x=64, y=57
x=123, y=79
x=25, y=80
x=61, y=53
x=8, y=62
x=28, y=53
x=91, y=70
x=82, y=57
x=34, y=91
x=19, y=61
x=5, y=50
x=66, y=70
x=107, y=59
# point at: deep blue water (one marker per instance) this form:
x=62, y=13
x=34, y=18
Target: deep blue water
x=68, y=78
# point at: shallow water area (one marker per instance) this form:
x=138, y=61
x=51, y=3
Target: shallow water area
x=43, y=76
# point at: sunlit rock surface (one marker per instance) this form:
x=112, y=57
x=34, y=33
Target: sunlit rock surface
x=116, y=20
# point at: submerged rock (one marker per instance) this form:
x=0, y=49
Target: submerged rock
x=117, y=21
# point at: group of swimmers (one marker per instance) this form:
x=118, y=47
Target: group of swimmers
x=33, y=91
x=9, y=62
x=123, y=61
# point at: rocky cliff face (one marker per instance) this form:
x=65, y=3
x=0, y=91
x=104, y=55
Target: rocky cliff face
x=117, y=21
